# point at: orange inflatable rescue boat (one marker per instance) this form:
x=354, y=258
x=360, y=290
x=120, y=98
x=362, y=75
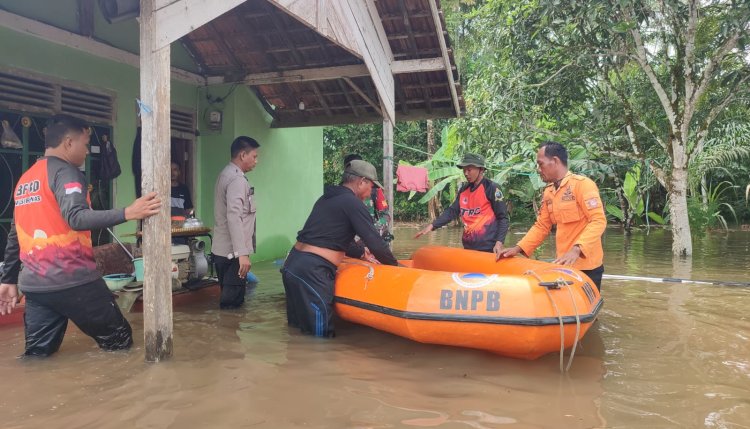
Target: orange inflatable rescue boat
x=515, y=307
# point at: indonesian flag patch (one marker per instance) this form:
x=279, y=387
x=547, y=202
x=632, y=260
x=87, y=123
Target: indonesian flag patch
x=72, y=187
x=592, y=203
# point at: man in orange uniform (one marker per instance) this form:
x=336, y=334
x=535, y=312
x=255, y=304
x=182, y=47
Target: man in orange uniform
x=480, y=206
x=571, y=202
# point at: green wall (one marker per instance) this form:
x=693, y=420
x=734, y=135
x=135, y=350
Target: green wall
x=29, y=53
x=287, y=180
x=288, y=177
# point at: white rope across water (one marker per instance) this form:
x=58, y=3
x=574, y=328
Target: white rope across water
x=676, y=280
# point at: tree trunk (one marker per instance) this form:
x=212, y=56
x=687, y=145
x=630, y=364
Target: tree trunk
x=433, y=206
x=682, y=243
x=627, y=217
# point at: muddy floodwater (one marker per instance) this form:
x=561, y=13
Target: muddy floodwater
x=661, y=355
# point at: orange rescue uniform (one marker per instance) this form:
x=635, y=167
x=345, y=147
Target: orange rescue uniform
x=576, y=208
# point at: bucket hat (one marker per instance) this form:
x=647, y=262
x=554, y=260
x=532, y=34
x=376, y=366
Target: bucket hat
x=364, y=169
x=471, y=159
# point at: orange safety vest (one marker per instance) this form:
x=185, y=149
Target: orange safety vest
x=53, y=254
x=480, y=228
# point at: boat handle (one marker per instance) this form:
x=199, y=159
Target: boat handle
x=556, y=284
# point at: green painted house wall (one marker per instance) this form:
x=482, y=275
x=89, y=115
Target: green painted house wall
x=288, y=177
x=287, y=180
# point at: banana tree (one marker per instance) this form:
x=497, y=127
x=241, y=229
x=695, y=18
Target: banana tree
x=635, y=207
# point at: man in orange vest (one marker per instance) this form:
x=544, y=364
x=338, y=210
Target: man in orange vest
x=51, y=235
x=480, y=206
x=571, y=202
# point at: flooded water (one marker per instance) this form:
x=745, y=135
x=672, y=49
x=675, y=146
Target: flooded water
x=660, y=355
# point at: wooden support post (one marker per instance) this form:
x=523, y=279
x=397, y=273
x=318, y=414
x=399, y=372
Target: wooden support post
x=155, y=157
x=388, y=167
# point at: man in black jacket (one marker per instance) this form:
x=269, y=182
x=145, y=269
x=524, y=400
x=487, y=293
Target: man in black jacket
x=309, y=271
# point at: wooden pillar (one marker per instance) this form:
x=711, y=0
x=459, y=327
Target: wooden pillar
x=155, y=158
x=388, y=167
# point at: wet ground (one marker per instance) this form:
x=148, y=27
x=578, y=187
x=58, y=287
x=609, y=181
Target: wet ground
x=660, y=355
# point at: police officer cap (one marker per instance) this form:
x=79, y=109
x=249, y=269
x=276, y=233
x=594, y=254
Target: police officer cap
x=364, y=169
x=471, y=159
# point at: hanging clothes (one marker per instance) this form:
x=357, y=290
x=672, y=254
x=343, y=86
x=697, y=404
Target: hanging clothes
x=136, y=162
x=411, y=179
x=109, y=166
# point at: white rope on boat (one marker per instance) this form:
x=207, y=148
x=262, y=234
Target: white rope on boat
x=370, y=274
x=559, y=318
x=578, y=328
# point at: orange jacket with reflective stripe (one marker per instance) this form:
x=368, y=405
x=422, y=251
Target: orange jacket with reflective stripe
x=576, y=208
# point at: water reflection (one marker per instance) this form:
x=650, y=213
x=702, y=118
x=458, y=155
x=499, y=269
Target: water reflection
x=661, y=355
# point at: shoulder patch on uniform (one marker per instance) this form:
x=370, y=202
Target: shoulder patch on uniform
x=592, y=203
x=498, y=194
x=72, y=187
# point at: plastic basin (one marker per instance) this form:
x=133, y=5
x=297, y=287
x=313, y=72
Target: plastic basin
x=116, y=282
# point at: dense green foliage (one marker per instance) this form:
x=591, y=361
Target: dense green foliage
x=660, y=88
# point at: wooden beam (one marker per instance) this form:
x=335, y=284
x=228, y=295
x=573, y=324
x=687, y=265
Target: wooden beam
x=444, y=49
x=282, y=29
x=364, y=106
x=158, y=4
x=425, y=52
x=178, y=18
x=351, y=25
x=336, y=72
x=316, y=15
x=388, y=168
x=155, y=120
x=287, y=119
x=367, y=30
x=282, y=91
x=267, y=107
x=415, y=50
x=401, y=96
x=418, y=66
x=348, y=98
x=71, y=40
x=306, y=75
x=225, y=48
x=364, y=96
x=189, y=46
x=321, y=99
x=397, y=16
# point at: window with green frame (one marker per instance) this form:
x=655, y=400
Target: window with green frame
x=13, y=162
